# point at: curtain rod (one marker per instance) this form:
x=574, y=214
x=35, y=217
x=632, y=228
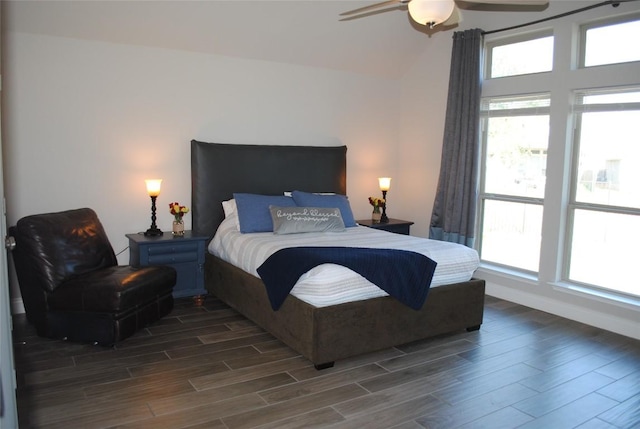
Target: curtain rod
x=614, y=3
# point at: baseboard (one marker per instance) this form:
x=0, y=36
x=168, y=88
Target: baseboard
x=588, y=316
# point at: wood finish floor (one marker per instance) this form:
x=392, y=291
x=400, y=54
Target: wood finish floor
x=208, y=367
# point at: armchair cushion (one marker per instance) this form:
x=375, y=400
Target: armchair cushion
x=113, y=289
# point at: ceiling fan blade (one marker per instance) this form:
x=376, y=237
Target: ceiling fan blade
x=371, y=13
x=372, y=7
x=512, y=2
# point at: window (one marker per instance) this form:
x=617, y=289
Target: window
x=513, y=58
x=560, y=162
x=516, y=135
x=605, y=207
x=610, y=44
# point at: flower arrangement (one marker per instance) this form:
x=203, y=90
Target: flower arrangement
x=178, y=211
x=376, y=202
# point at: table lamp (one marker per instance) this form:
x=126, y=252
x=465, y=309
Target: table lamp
x=385, y=184
x=153, y=189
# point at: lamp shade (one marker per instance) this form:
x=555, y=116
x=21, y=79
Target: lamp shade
x=153, y=187
x=430, y=12
x=385, y=183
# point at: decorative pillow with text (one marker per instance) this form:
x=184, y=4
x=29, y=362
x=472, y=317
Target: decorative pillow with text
x=307, y=199
x=296, y=220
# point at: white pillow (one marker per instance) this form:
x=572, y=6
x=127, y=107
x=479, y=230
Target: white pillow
x=231, y=210
x=229, y=207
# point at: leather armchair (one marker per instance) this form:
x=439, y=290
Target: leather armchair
x=72, y=287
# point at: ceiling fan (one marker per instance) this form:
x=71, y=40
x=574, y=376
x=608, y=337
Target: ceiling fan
x=434, y=12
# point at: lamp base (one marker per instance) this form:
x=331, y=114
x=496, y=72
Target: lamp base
x=153, y=232
x=384, y=218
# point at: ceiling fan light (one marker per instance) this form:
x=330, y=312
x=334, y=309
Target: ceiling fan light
x=430, y=12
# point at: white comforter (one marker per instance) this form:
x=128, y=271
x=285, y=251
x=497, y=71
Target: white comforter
x=330, y=284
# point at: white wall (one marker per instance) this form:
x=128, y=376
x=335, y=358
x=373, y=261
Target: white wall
x=86, y=122
x=424, y=100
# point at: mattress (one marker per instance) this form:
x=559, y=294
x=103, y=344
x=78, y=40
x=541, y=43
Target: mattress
x=330, y=284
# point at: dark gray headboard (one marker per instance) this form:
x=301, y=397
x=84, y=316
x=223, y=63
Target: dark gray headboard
x=219, y=170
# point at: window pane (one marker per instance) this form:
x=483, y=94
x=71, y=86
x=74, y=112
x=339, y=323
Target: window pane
x=516, y=155
x=612, y=44
x=531, y=56
x=604, y=250
x=612, y=98
x=511, y=234
x=609, y=159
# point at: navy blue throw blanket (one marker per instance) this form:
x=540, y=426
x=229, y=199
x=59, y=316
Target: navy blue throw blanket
x=402, y=274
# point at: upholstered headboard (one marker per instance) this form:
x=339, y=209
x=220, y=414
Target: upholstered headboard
x=219, y=170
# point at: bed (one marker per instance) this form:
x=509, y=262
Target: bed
x=321, y=334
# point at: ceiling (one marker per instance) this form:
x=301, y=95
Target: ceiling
x=303, y=32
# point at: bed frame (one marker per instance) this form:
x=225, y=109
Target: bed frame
x=322, y=335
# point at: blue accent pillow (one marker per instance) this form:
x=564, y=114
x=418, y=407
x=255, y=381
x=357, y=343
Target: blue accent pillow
x=253, y=210
x=307, y=199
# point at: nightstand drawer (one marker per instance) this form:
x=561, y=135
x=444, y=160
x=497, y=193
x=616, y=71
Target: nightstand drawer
x=186, y=254
x=171, y=258
x=398, y=229
x=161, y=249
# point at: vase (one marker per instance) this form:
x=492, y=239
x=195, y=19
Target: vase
x=376, y=215
x=178, y=228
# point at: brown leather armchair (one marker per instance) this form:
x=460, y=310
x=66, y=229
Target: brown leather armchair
x=72, y=287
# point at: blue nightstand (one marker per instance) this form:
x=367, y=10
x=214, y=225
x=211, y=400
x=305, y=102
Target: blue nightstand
x=185, y=254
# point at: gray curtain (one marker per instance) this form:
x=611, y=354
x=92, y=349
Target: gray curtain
x=454, y=208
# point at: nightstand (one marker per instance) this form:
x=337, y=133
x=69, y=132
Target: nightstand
x=185, y=254
x=394, y=225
